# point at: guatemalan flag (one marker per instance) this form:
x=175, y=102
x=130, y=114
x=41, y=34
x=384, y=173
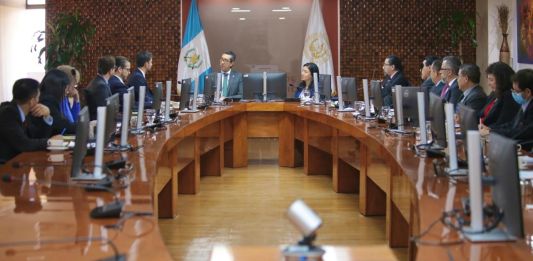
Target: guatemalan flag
x=194, y=56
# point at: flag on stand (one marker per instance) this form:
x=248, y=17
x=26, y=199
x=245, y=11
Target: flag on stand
x=194, y=56
x=316, y=46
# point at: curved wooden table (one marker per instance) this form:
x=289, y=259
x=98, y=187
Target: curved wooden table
x=362, y=159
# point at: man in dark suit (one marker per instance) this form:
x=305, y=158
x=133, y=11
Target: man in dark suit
x=122, y=71
x=143, y=60
x=16, y=133
x=393, y=69
x=425, y=72
x=448, y=72
x=473, y=95
x=98, y=90
x=521, y=127
x=231, y=86
x=435, y=77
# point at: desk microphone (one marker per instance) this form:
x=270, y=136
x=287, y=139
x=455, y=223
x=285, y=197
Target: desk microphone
x=111, y=210
x=116, y=256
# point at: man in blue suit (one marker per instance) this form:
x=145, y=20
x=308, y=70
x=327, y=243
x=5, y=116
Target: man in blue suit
x=137, y=78
x=448, y=72
x=116, y=82
x=393, y=69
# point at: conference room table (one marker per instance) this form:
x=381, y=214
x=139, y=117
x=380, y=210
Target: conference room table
x=42, y=218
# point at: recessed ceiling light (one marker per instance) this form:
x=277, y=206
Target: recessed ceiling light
x=242, y=18
x=286, y=8
x=281, y=10
x=281, y=18
x=240, y=10
x=235, y=8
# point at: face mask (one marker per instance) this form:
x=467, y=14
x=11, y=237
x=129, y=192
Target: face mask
x=518, y=98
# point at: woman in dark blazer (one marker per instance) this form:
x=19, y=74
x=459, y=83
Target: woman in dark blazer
x=307, y=80
x=500, y=107
x=52, y=89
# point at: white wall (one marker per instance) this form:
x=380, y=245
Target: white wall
x=17, y=27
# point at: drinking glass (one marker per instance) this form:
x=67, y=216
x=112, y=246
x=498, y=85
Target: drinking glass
x=150, y=115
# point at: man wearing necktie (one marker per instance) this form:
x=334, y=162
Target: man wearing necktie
x=473, y=95
x=98, y=90
x=231, y=86
x=448, y=72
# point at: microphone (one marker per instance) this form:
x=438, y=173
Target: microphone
x=111, y=210
x=116, y=254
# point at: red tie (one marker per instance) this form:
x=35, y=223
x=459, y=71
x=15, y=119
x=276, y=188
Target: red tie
x=444, y=90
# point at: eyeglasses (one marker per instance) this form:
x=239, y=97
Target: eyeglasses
x=444, y=69
x=223, y=60
x=517, y=92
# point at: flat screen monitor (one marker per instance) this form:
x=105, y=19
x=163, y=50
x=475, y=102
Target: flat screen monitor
x=185, y=94
x=426, y=92
x=409, y=104
x=375, y=95
x=276, y=86
x=210, y=86
x=324, y=86
x=438, y=128
x=80, y=142
x=349, y=89
x=157, y=95
x=468, y=121
x=112, y=108
x=506, y=192
x=131, y=91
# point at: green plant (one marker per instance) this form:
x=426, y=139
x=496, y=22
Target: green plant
x=67, y=37
x=460, y=26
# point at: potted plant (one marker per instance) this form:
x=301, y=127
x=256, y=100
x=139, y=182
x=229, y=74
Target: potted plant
x=67, y=37
x=460, y=27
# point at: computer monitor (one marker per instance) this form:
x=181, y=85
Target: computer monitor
x=157, y=95
x=185, y=94
x=409, y=104
x=375, y=95
x=80, y=142
x=276, y=86
x=131, y=91
x=426, y=91
x=506, y=192
x=438, y=127
x=210, y=86
x=349, y=89
x=324, y=86
x=468, y=121
x=112, y=108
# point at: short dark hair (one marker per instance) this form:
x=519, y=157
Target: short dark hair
x=54, y=84
x=106, y=64
x=25, y=89
x=142, y=58
x=524, y=79
x=394, y=60
x=428, y=60
x=232, y=54
x=120, y=61
x=471, y=71
x=436, y=65
x=454, y=62
x=502, y=73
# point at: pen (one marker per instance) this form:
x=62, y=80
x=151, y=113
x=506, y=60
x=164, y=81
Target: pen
x=63, y=131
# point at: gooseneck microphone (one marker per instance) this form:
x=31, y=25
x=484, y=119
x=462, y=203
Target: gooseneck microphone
x=111, y=210
x=116, y=254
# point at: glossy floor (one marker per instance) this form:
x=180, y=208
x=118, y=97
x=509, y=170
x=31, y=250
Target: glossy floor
x=247, y=207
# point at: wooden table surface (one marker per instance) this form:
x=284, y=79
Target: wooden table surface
x=361, y=158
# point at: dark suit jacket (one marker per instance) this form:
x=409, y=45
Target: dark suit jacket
x=234, y=85
x=503, y=110
x=437, y=89
x=15, y=136
x=427, y=84
x=521, y=127
x=137, y=80
x=388, y=83
x=453, y=94
x=96, y=94
x=117, y=86
x=475, y=100
x=60, y=122
x=301, y=88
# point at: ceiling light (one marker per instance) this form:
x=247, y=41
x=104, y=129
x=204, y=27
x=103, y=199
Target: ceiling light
x=235, y=8
x=242, y=18
x=281, y=18
x=281, y=10
x=286, y=8
x=240, y=10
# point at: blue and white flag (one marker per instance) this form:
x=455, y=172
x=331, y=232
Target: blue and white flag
x=194, y=56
